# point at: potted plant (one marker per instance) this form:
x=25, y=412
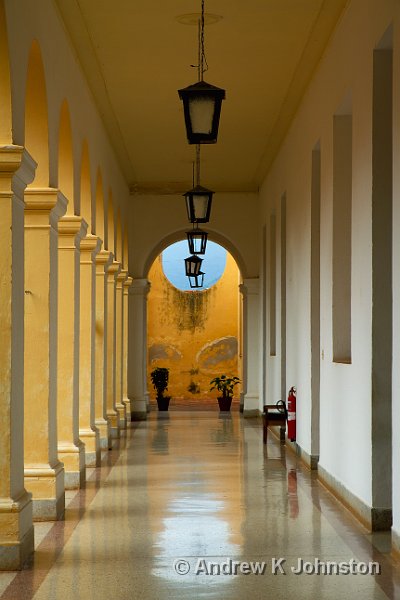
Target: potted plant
x=159, y=378
x=224, y=385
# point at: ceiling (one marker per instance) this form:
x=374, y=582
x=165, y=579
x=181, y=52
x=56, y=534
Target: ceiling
x=136, y=55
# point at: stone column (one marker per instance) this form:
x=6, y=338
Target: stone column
x=137, y=372
x=112, y=413
x=120, y=406
x=100, y=404
x=71, y=451
x=125, y=399
x=251, y=347
x=44, y=474
x=16, y=528
x=88, y=432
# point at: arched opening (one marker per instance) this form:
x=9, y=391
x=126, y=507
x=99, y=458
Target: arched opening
x=86, y=194
x=125, y=258
x=5, y=88
x=196, y=334
x=118, y=240
x=65, y=158
x=110, y=232
x=36, y=118
x=98, y=217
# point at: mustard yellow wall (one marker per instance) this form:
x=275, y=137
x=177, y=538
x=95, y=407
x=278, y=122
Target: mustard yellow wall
x=193, y=333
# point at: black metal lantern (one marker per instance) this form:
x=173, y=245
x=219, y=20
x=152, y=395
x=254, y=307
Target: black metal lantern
x=197, y=281
x=198, y=204
x=202, y=109
x=192, y=265
x=197, y=240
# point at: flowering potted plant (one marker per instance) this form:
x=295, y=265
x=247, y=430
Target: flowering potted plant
x=225, y=385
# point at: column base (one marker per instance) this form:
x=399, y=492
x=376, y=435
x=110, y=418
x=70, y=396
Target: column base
x=73, y=457
x=47, y=488
x=251, y=406
x=113, y=421
x=16, y=532
x=90, y=439
x=104, y=433
x=121, y=410
x=138, y=410
x=128, y=408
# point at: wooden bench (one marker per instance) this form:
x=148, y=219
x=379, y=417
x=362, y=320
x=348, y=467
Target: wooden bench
x=272, y=416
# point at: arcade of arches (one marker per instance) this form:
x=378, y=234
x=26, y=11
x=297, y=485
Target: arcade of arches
x=314, y=235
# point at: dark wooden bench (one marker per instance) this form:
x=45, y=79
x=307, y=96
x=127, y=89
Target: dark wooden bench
x=272, y=416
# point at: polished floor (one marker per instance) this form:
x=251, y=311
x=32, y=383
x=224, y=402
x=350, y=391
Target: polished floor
x=187, y=500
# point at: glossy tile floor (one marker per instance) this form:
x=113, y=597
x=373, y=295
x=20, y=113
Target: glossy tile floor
x=191, y=489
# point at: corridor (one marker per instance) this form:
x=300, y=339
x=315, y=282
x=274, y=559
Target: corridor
x=188, y=489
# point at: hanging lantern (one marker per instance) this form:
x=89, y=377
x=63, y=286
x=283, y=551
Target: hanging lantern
x=202, y=109
x=192, y=265
x=197, y=240
x=198, y=204
x=197, y=281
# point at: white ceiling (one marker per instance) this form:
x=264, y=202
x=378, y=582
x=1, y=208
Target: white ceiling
x=136, y=55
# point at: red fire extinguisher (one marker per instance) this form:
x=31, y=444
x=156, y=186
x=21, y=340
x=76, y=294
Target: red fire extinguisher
x=291, y=401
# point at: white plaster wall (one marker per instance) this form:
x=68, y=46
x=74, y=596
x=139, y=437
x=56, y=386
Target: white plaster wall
x=345, y=449
x=157, y=221
x=28, y=20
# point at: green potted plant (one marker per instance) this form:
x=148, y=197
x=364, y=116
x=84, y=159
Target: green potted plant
x=225, y=385
x=159, y=378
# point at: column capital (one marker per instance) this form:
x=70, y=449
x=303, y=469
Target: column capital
x=140, y=287
x=127, y=284
x=250, y=287
x=17, y=169
x=90, y=243
x=71, y=229
x=113, y=268
x=42, y=202
x=121, y=278
x=11, y=158
x=103, y=257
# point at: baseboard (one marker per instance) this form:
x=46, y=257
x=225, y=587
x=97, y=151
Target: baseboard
x=374, y=519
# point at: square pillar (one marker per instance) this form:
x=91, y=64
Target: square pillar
x=112, y=413
x=88, y=432
x=102, y=260
x=120, y=406
x=71, y=451
x=44, y=473
x=251, y=347
x=125, y=399
x=16, y=527
x=137, y=372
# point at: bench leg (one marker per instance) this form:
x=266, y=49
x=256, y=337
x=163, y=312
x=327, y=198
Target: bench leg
x=282, y=435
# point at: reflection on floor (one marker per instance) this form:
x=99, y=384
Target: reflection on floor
x=192, y=505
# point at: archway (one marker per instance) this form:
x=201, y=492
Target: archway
x=195, y=333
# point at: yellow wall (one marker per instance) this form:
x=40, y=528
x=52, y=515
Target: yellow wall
x=193, y=333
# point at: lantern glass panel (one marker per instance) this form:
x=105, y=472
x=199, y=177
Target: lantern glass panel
x=197, y=281
x=200, y=205
x=197, y=240
x=201, y=111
